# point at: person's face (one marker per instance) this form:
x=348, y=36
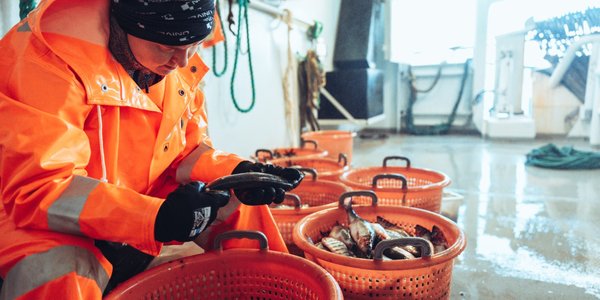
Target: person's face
x=158, y=58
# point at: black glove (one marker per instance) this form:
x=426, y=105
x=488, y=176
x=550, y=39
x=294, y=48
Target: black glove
x=266, y=195
x=188, y=211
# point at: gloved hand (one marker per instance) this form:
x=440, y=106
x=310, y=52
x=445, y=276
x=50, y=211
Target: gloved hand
x=188, y=211
x=266, y=195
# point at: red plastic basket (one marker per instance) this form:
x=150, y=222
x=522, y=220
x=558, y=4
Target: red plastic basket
x=327, y=168
x=233, y=274
x=336, y=142
x=318, y=194
x=421, y=278
x=399, y=186
x=265, y=155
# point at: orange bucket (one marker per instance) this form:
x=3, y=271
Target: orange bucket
x=264, y=155
x=233, y=274
x=400, y=186
x=318, y=194
x=334, y=141
x=327, y=168
x=420, y=278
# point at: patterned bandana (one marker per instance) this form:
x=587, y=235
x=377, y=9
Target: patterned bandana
x=167, y=22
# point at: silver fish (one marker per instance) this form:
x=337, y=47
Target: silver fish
x=403, y=252
x=361, y=231
x=398, y=253
x=380, y=232
x=320, y=246
x=391, y=226
x=396, y=234
x=284, y=206
x=335, y=246
x=342, y=234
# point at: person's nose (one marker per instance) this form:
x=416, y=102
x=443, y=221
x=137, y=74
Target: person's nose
x=181, y=57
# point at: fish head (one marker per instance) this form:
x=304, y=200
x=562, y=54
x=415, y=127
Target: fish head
x=365, y=243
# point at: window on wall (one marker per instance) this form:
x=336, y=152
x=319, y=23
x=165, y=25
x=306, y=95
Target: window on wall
x=430, y=31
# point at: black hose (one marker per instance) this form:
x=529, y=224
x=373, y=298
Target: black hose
x=433, y=129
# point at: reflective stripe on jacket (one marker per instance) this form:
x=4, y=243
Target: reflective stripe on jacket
x=83, y=150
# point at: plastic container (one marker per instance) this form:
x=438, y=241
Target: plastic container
x=399, y=186
x=420, y=278
x=317, y=193
x=265, y=155
x=334, y=141
x=233, y=274
x=451, y=202
x=327, y=168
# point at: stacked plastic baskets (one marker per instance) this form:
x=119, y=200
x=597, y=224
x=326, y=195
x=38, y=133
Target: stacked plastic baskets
x=328, y=169
x=265, y=155
x=334, y=141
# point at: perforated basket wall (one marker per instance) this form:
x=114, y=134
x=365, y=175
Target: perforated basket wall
x=232, y=274
x=424, y=187
x=421, y=278
x=334, y=141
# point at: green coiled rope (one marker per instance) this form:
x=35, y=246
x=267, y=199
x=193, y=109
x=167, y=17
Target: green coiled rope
x=214, y=48
x=243, y=5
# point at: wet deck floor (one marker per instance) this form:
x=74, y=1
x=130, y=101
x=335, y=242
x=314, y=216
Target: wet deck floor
x=532, y=233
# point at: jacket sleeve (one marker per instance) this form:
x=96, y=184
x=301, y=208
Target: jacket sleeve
x=44, y=152
x=202, y=162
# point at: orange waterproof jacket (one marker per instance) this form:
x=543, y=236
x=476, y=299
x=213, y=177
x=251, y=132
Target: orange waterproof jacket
x=83, y=150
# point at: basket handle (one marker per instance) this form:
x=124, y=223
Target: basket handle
x=396, y=157
x=358, y=193
x=294, y=198
x=270, y=154
x=391, y=176
x=425, y=245
x=241, y=234
x=311, y=171
x=344, y=158
x=304, y=142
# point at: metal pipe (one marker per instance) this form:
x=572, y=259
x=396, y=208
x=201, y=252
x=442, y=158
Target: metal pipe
x=263, y=7
x=565, y=62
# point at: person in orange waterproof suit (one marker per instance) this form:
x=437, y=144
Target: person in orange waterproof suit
x=103, y=142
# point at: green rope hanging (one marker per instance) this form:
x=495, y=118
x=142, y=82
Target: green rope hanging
x=243, y=4
x=214, y=48
x=26, y=6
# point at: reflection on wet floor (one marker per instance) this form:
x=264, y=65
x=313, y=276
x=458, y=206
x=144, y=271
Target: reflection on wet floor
x=532, y=233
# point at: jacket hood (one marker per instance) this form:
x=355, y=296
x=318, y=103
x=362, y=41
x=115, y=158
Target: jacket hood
x=83, y=28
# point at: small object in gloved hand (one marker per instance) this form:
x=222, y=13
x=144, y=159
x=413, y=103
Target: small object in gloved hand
x=248, y=180
x=266, y=194
x=187, y=211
